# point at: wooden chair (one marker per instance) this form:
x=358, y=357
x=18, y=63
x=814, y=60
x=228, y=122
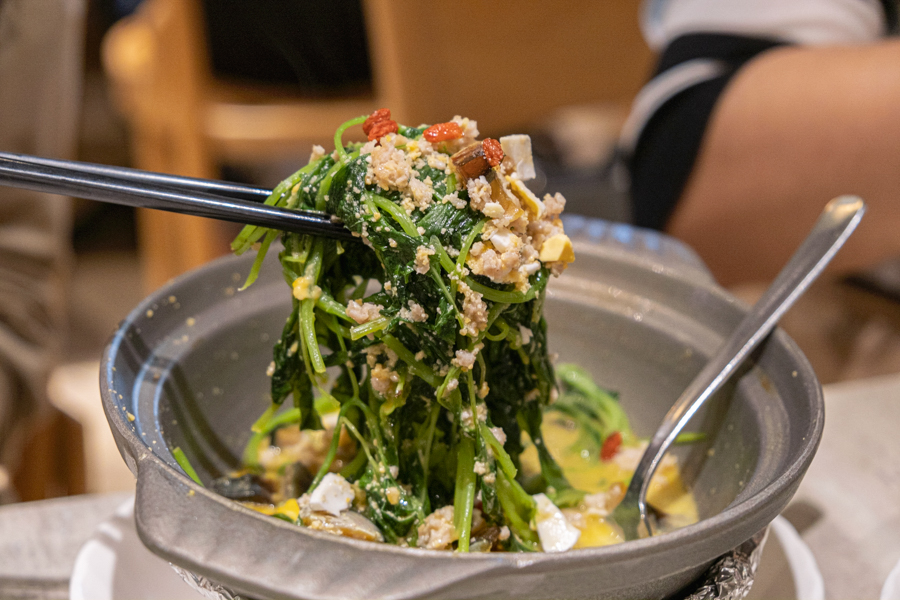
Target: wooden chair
x=53, y=461
x=183, y=121
x=507, y=64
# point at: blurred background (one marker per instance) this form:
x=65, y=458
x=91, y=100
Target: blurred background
x=241, y=90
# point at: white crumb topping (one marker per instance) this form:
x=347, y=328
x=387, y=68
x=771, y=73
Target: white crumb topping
x=438, y=161
x=422, y=192
x=414, y=313
x=376, y=351
x=475, y=312
x=468, y=418
x=384, y=379
x=389, y=168
x=455, y=200
x=363, y=312
x=437, y=532
x=498, y=433
x=317, y=153
x=368, y=147
x=465, y=359
x=554, y=205
x=523, y=232
x=423, y=263
x=479, y=193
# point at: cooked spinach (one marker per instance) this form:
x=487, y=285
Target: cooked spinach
x=433, y=429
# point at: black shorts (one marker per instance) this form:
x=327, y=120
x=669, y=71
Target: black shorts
x=666, y=147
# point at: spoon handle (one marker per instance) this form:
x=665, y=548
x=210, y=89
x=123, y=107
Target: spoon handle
x=838, y=220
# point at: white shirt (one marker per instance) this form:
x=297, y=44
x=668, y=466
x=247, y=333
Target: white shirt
x=802, y=22
x=795, y=21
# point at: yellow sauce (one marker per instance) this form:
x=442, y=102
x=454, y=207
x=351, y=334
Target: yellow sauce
x=582, y=467
x=290, y=508
x=587, y=472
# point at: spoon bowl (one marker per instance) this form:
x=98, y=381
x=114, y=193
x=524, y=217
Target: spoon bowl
x=837, y=221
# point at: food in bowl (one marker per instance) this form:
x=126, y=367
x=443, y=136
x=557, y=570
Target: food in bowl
x=416, y=360
x=642, y=321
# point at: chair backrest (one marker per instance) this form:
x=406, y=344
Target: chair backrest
x=506, y=64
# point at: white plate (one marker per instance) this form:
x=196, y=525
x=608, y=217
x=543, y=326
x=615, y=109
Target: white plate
x=787, y=562
x=115, y=565
x=891, y=589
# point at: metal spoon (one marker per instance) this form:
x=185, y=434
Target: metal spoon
x=834, y=226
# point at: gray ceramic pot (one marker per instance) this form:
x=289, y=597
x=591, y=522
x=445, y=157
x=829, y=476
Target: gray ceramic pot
x=187, y=368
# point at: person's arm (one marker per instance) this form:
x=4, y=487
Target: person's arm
x=794, y=128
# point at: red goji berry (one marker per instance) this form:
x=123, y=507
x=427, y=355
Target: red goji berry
x=382, y=128
x=493, y=152
x=382, y=114
x=611, y=445
x=443, y=132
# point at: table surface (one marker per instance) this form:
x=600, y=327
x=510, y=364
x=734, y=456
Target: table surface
x=846, y=508
x=854, y=483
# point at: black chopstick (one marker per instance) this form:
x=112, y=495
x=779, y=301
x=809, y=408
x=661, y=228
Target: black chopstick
x=185, y=195
x=223, y=188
